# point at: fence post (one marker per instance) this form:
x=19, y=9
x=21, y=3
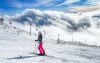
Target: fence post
x=58, y=40
x=85, y=42
x=95, y=45
x=72, y=39
x=49, y=36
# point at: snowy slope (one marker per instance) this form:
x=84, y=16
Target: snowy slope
x=16, y=48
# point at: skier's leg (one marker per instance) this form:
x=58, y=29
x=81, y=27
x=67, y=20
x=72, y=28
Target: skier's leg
x=39, y=48
x=43, y=51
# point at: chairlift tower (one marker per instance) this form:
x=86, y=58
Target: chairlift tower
x=30, y=23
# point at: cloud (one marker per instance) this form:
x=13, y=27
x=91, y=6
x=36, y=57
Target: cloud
x=14, y=3
x=84, y=8
x=80, y=5
x=18, y=5
x=68, y=2
x=38, y=3
x=44, y=1
x=57, y=18
x=93, y=2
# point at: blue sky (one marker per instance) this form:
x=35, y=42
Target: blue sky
x=16, y=6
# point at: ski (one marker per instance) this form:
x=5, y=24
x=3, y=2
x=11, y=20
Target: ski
x=38, y=54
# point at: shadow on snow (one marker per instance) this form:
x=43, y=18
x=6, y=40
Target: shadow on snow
x=21, y=57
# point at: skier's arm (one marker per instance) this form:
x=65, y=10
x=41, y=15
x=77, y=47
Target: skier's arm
x=36, y=40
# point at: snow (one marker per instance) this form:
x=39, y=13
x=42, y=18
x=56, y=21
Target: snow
x=16, y=48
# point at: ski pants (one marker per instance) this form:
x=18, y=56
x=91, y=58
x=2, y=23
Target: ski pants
x=40, y=48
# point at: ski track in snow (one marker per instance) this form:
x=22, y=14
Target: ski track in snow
x=16, y=48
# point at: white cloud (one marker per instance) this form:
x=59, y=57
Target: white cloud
x=18, y=4
x=14, y=3
x=84, y=8
x=93, y=2
x=39, y=3
x=68, y=2
x=44, y=2
x=48, y=17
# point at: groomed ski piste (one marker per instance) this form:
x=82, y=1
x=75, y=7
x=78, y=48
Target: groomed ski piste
x=19, y=48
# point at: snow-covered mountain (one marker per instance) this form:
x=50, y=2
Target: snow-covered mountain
x=82, y=27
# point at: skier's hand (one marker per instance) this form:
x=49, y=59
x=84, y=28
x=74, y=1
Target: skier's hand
x=35, y=40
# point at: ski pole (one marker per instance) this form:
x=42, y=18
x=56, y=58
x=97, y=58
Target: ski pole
x=35, y=47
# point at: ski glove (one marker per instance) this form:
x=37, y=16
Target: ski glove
x=36, y=40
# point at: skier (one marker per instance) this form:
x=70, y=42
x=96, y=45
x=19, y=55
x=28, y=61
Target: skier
x=40, y=46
